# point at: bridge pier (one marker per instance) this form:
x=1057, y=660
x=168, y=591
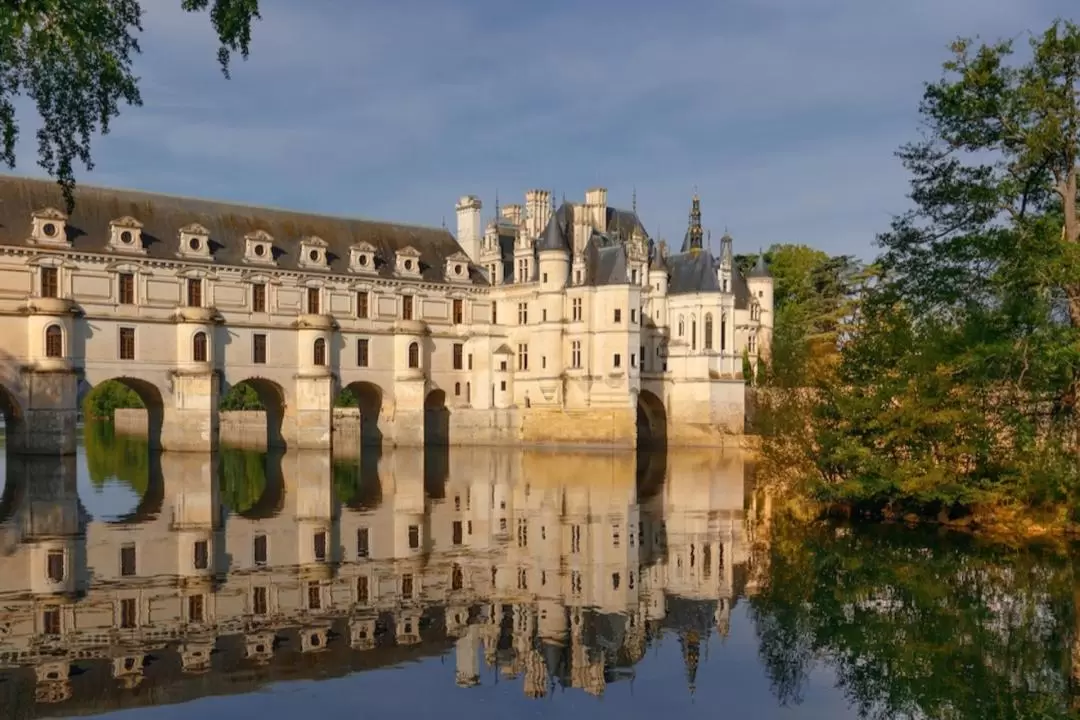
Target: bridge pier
x=306, y=423
x=190, y=422
x=45, y=422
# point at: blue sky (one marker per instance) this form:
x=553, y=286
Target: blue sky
x=785, y=114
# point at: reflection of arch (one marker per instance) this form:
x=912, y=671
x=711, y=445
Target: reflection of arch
x=13, y=418
x=252, y=485
x=369, y=400
x=152, y=401
x=436, y=441
x=272, y=398
x=357, y=486
x=651, y=421
x=152, y=499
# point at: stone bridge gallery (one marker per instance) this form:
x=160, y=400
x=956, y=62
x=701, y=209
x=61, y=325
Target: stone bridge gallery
x=566, y=326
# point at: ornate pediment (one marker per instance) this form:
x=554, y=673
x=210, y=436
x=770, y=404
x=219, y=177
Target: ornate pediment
x=408, y=261
x=362, y=257
x=457, y=267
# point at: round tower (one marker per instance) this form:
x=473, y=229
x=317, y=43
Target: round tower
x=759, y=282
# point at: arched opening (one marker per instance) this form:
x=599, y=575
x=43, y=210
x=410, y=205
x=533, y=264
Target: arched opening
x=117, y=401
x=199, y=350
x=436, y=442
x=368, y=399
x=251, y=415
x=54, y=342
x=318, y=352
x=251, y=482
x=120, y=463
x=414, y=355
x=356, y=484
x=651, y=422
x=13, y=420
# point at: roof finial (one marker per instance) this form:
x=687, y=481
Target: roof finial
x=443, y=222
x=634, y=201
x=496, y=206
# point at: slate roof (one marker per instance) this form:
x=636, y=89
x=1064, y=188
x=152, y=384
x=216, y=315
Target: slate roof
x=162, y=216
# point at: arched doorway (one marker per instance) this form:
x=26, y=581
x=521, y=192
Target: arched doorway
x=100, y=403
x=368, y=399
x=651, y=422
x=436, y=443
x=245, y=408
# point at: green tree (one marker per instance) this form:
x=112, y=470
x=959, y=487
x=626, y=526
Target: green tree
x=346, y=399
x=110, y=456
x=74, y=60
x=241, y=396
x=108, y=396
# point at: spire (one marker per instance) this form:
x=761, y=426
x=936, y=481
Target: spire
x=634, y=201
x=691, y=648
x=498, y=214
x=694, y=234
x=760, y=269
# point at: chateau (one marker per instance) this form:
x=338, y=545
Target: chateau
x=562, y=325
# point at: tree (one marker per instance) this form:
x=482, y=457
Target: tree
x=74, y=60
x=241, y=396
x=103, y=400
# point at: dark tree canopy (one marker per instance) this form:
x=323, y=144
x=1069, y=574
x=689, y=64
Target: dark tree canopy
x=73, y=59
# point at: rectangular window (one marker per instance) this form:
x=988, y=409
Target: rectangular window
x=459, y=311
x=633, y=277
x=362, y=305
x=259, y=550
x=523, y=357
x=127, y=560
x=126, y=290
x=127, y=343
x=196, y=608
x=54, y=566
x=314, y=596
x=50, y=282
x=617, y=360
x=194, y=292
x=633, y=360
x=616, y=536
x=258, y=349
x=414, y=536
x=494, y=313
x=258, y=298
x=575, y=309
x=543, y=315
x=470, y=361
x=362, y=352
x=258, y=601
x=523, y=313
x=575, y=354
x=456, y=532
x=363, y=549
x=128, y=617
x=313, y=301
x=618, y=315
x=406, y=307
x=201, y=555
x=459, y=351
x=633, y=315
x=575, y=539
x=406, y=586
x=319, y=542
x=50, y=621
x=642, y=355
x=362, y=589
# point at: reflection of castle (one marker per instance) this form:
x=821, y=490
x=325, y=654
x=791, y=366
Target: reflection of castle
x=523, y=571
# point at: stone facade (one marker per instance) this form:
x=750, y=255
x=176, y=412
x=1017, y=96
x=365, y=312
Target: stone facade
x=549, y=326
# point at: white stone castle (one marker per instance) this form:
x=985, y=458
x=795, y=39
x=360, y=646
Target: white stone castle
x=546, y=325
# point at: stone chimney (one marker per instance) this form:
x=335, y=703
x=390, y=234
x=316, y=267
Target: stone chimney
x=513, y=214
x=596, y=208
x=468, y=226
x=537, y=211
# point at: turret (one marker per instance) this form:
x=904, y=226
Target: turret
x=759, y=282
x=726, y=263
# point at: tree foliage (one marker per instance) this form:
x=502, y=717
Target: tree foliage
x=73, y=60
x=241, y=396
x=107, y=397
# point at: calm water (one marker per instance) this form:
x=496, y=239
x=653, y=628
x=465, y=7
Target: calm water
x=484, y=583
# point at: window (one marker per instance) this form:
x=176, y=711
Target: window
x=456, y=532
x=708, y=341
x=54, y=342
x=618, y=315
x=127, y=343
x=127, y=560
x=54, y=566
x=523, y=313
x=545, y=277
x=128, y=617
x=414, y=537
x=362, y=304
x=259, y=550
x=457, y=388
x=50, y=282
x=693, y=334
x=362, y=589
x=406, y=586
x=633, y=277
x=633, y=315
x=633, y=360
x=258, y=349
x=750, y=343
x=616, y=536
x=459, y=351
x=459, y=311
x=723, y=332
x=313, y=301
x=494, y=313
x=575, y=539
x=201, y=555
x=126, y=289
x=319, y=546
x=414, y=355
x=523, y=357
x=318, y=352
x=258, y=601
x=470, y=361
x=194, y=292
x=614, y=581
x=575, y=354
x=642, y=355
x=457, y=578
x=198, y=347
x=362, y=350
x=314, y=596
x=195, y=608
x=50, y=621
x=258, y=298
x=406, y=307
x=523, y=270
x=575, y=309
x=468, y=391
x=362, y=543
x=617, y=360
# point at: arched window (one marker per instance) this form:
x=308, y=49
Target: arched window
x=198, y=347
x=693, y=333
x=54, y=342
x=723, y=331
x=319, y=352
x=682, y=327
x=708, y=331
x=414, y=355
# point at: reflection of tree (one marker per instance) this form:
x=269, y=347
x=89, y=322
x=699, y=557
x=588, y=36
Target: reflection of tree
x=915, y=627
x=243, y=478
x=354, y=488
x=109, y=455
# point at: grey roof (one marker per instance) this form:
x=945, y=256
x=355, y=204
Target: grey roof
x=555, y=234
x=692, y=272
x=605, y=260
x=759, y=270
x=162, y=217
x=657, y=256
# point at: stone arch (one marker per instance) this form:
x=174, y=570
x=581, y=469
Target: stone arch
x=123, y=457
x=153, y=400
x=369, y=400
x=436, y=441
x=272, y=398
x=651, y=421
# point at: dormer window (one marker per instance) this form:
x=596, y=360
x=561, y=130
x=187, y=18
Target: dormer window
x=126, y=235
x=408, y=262
x=313, y=252
x=195, y=241
x=259, y=247
x=49, y=227
x=457, y=267
x=362, y=258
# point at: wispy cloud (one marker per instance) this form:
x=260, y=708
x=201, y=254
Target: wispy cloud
x=784, y=113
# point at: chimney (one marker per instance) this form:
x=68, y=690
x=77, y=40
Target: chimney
x=512, y=214
x=537, y=211
x=596, y=208
x=468, y=226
